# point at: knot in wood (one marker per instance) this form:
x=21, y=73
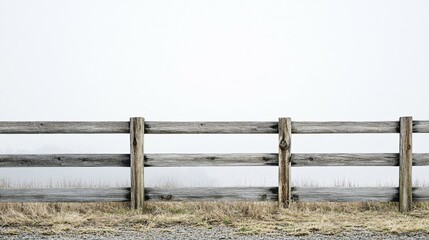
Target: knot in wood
x=283, y=144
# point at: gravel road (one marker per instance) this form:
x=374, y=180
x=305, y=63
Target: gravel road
x=186, y=232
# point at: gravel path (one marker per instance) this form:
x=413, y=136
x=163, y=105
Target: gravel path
x=185, y=232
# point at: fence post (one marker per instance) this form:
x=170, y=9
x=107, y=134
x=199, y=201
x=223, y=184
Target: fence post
x=137, y=162
x=405, y=163
x=285, y=132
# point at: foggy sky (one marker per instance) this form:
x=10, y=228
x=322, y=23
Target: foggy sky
x=213, y=61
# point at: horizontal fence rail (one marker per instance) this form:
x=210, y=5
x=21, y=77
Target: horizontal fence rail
x=356, y=194
x=63, y=127
x=65, y=195
x=208, y=160
x=302, y=194
x=137, y=160
x=155, y=127
x=210, y=127
x=64, y=160
x=213, y=194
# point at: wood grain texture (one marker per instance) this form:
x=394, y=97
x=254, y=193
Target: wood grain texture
x=405, y=164
x=345, y=127
x=212, y=194
x=65, y=195
x=63, y=127
x=208, y=194
x=420, y=159
x=421, y=194
x=284, y=162
x=137, y=162
x=159, y=127
x=360, y=194
x=344, y=159
x=421, y=126
x=64, y=160
x=210, y=127
x=207, y=159
x=298, y=127
x=271, y=159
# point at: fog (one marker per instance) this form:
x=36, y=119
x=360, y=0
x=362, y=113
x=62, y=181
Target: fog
x=213, y=61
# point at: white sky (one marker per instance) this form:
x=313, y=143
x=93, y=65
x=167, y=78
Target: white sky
x=213, y=60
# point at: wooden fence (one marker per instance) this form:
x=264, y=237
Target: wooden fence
x=284, y=159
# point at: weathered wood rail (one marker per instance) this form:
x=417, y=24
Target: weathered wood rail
x=137, y=160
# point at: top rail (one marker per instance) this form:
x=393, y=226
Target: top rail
x=157, y=127
x=211, y=127
x=345, y=127
x=63, y=127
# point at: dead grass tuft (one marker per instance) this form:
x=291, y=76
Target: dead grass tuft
x=244, y=217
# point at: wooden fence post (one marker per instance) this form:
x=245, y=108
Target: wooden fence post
x=137, y=162
x=285, y=132
x=405, y=163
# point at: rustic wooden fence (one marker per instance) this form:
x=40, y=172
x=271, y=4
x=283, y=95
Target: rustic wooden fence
x=284, y=193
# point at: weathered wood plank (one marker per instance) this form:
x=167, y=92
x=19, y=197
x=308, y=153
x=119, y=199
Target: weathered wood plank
x=344, y=159
x=366, y=194
x=212, y=194
x=207, y=159
x=420, y=194
x=65, y=195
x=421, y=126
x=298, y=127
x=344, y=127
x=63, y=127
x=137, y=162
x=271, y=159
x=285, y=133
x=65, y=160
x=210, y=127
x=159, y=127
x=405, y=164
x=420, y=159
x=270, y=127
x=359, y=194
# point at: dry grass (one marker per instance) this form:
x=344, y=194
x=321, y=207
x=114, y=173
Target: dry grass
x=245, y=218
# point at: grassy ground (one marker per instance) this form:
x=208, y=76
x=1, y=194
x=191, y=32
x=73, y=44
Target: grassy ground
x=245, y=218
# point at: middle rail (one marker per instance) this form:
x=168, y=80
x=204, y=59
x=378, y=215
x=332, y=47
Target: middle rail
x=207, y=159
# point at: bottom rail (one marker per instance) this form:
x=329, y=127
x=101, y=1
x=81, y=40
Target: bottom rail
x=299, y=194
x=212, y=194
x=352, y=194
x=65, y=195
